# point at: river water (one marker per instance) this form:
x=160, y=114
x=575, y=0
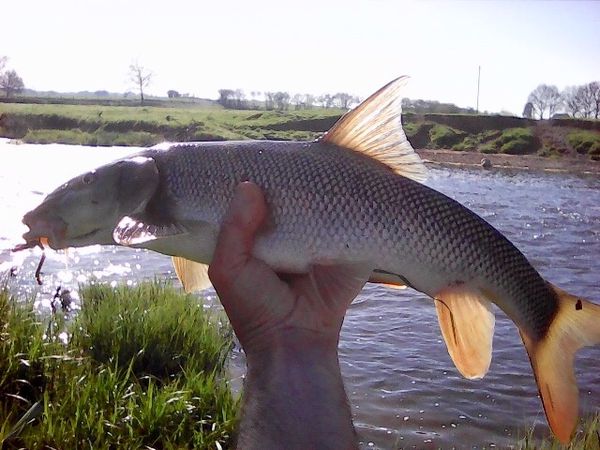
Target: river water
x=402, y=385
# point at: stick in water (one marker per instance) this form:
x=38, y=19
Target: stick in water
x=38, y=271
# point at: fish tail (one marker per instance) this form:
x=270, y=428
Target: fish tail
x=575, y=325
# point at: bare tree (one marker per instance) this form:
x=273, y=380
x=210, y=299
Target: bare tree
x=544, y=98
x=141, y=77
x=325, y=100
x=172, y=93
x=344, y=100
x=225, y=97
x=282, y=100
x=269, y=101
x=3, y=61
x=255, y=98
x=583, y=100
x=593, y=90
x=309, y=100
x=11, y=83
x=572, y=100
x=298, y=101
x=238, y=97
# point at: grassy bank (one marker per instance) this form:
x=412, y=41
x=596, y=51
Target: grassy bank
x=143, y=367
x=119, y=125
x=145, y=126
x=587, y=438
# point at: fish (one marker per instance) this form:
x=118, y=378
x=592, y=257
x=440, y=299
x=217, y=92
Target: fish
x=355, y=196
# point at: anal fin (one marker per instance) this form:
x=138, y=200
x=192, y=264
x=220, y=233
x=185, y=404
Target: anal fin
x=193, y=275
x=467, y=323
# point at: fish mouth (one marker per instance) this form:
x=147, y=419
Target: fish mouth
x=51, y=231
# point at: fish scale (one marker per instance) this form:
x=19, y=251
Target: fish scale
x=334, y=205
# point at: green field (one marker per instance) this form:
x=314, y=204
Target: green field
x=106, y=125
x=121, y=125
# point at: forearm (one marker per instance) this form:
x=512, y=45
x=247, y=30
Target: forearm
x=294, y=398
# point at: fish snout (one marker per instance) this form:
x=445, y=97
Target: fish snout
x=53, y=228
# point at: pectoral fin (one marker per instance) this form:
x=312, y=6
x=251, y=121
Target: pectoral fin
x=134, y=230
x=193, y=275
x=467, y=323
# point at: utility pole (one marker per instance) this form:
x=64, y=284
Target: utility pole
x=478, y=79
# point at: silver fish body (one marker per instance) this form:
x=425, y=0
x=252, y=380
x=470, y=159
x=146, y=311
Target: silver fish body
x=329, y=205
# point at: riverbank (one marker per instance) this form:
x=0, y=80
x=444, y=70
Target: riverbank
x=136, y=367
x=459, y=140
x=458, y=159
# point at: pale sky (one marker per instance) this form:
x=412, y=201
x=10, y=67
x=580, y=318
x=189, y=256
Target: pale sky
x=306, y=46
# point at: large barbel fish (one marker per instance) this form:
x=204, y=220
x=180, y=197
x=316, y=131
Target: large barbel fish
x=352, y=197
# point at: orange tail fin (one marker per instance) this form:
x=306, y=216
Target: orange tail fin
x=576, y=325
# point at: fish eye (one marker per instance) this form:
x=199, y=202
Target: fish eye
x=89, y=177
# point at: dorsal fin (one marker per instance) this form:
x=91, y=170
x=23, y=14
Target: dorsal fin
x=375, y=128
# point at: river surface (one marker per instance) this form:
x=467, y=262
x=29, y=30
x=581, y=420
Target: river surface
x=402, y=385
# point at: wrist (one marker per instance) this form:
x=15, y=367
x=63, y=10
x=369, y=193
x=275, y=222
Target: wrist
x=291, y=346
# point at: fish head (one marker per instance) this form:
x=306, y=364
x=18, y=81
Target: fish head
x=86, y=209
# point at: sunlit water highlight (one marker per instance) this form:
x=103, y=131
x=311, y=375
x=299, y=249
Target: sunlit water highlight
x=404, y=390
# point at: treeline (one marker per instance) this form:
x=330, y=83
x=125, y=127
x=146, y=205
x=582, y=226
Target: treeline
x=577, y=101
x=433, y=107
x=282, y=101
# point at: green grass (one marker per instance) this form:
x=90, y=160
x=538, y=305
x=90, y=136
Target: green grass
x=587, y=438
x=472, y=143
x=442, y=136
x=122, y=125
x=144, y=367
x=512, y=141
x=585, y=142
x=97, y=138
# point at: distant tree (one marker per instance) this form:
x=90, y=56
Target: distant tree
x=325, y=100
x=255, y=98
x=101, y=93
x=171, y=93
x=11, y=83
x=298, y=101
x=269, y=101
x=3, y=61
x=573, y=100
x=432, y=106
x=593, y=92
x=239, y=99
x=225, y=96
x=141, y=77
x=544, y=98
x=282, y=100
x=309, y=100
x=528, y=110
x=344, y=100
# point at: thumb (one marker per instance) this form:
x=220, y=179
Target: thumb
x=242, y=220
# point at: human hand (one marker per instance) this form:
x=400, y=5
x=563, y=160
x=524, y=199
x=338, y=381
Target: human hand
x=289, y=327
x=267, y=310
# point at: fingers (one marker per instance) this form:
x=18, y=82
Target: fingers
x=246, y=213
